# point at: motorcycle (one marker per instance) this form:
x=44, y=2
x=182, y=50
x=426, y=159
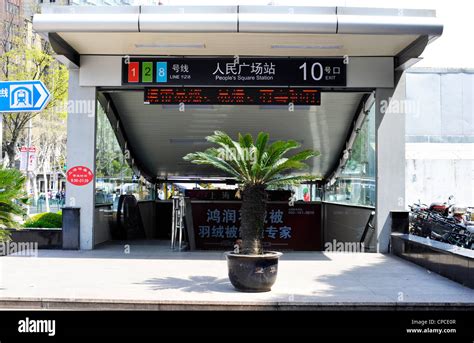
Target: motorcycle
x=443, y=222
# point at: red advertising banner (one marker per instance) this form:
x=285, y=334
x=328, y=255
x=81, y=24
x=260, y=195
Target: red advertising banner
x=79, y=175
x=298, y=227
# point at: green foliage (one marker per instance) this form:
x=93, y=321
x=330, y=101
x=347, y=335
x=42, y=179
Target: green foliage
x=32, y=62
x=26, y=62
x=45, y=220
x=12, y=199
x=110, y=161
x=255, y=163
x=359, y=154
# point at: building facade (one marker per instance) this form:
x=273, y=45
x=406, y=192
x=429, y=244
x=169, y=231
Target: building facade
x=439, y=109
x=11, y=18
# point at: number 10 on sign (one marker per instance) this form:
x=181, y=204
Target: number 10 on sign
x=316, y=71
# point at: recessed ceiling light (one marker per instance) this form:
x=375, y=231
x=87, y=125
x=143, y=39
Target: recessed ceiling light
x=284, y=107
x=293, y=46
x=175, y=107
x=172, y=45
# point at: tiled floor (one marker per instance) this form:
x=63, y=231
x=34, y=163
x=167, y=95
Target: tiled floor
x=152, y=273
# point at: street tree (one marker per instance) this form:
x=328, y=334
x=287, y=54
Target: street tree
x=49, y=136
x=27, y=62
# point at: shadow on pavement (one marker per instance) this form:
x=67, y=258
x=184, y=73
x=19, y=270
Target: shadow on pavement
x=198, y=284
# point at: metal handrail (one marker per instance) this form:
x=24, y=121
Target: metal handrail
x=177, y=228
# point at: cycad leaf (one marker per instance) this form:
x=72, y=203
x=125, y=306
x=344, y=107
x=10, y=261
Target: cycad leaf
x=304, y=155
x=291, y=180
x=277, y=150
x=254, y=163
x=245, y=141
x=11, y=197
x=285, y=165
x=209, y=159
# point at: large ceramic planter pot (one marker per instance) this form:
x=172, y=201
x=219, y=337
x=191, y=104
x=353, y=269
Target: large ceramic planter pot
x=253, y=273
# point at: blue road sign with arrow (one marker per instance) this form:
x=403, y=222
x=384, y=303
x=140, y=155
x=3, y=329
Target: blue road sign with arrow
x=23, y=96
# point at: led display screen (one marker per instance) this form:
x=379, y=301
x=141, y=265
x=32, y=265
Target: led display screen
x=232, y=96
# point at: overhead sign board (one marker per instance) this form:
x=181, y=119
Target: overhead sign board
x=232, y=96
x=23, y=96
x=244, y=71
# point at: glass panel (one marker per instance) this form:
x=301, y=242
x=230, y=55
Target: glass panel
x=113, y=174
x=356, y=184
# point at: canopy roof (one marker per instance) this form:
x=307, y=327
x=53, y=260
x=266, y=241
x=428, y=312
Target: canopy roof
x=231, y=30
x=158, y=136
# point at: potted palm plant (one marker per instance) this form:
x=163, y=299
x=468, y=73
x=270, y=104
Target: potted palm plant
x=256, y=166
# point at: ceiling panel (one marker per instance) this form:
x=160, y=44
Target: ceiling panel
x=244, y=44
x=160, y=136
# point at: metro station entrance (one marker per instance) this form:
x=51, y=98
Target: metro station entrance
x=163, y=132
x=165, y=77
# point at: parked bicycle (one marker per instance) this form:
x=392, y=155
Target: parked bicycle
x=443, y=222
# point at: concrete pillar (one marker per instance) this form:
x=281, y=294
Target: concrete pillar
x=390, y=159
x=81, y=135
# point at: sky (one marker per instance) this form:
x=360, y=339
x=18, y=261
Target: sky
x=454, y=49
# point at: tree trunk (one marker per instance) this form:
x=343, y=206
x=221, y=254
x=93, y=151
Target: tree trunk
x=254, y=202
x=54, y=175
x=11, y=153
x=35, y=188
x=46, y=188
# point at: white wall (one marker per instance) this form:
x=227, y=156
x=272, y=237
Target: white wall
x=440, y=136
x=435, y=180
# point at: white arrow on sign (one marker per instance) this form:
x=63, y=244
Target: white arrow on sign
x=43, y=95
x=23, y=96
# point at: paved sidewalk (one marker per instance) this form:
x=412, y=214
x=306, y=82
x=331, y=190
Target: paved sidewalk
x=152, y=275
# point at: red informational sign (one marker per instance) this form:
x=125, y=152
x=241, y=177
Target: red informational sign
x=79, y=175
x=27, y=158
x=298, y=227
x=26, y=149
x=133, y=71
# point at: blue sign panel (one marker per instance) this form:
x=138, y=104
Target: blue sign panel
x=161, y=72
x=23, y=96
